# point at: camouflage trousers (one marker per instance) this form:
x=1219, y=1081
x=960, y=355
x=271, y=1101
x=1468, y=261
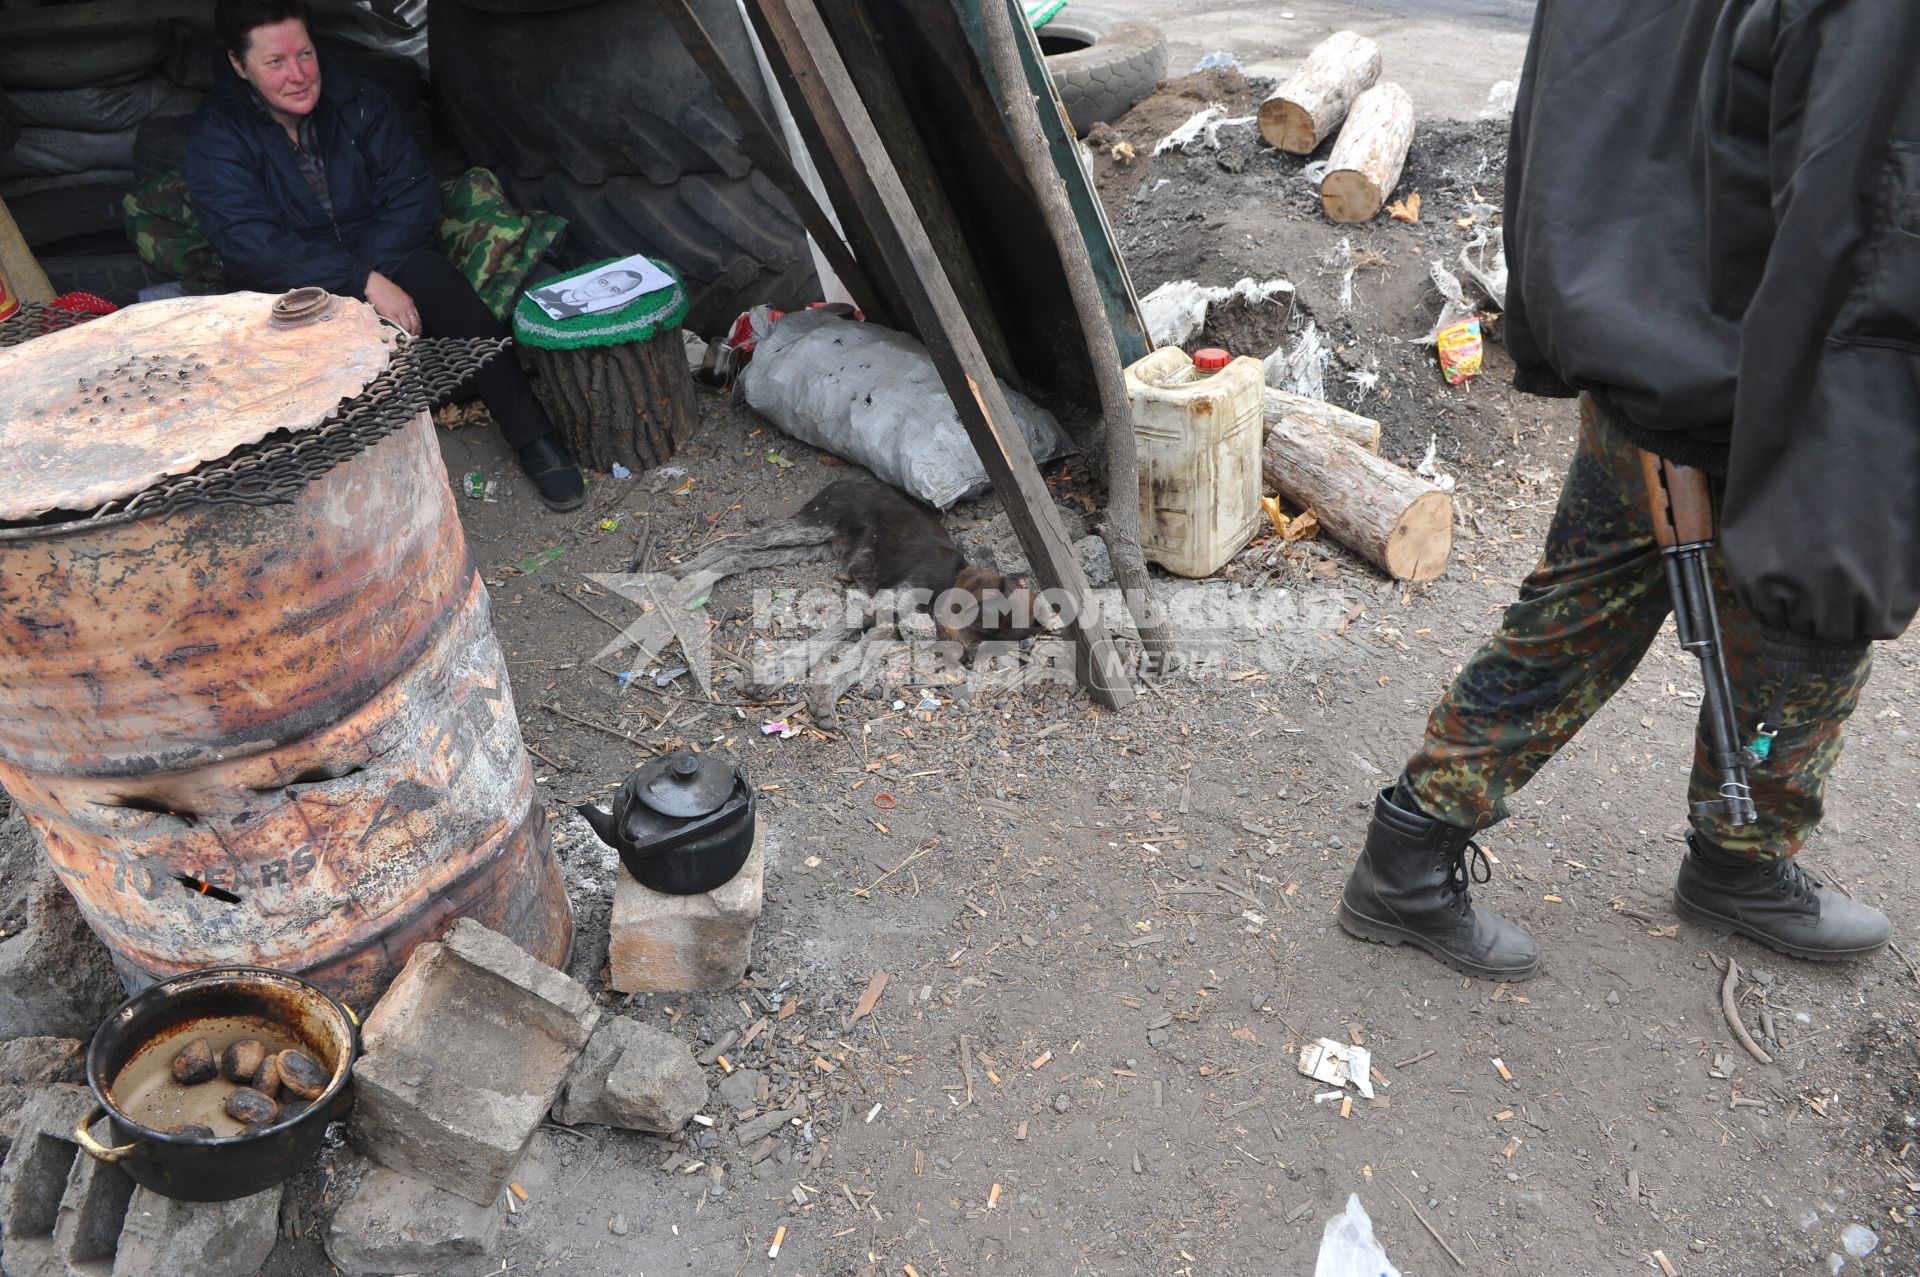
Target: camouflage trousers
x=1584, y=618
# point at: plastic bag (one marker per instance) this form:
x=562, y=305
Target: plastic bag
x=872, y=395
x=1347, y=1246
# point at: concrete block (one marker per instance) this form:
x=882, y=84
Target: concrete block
x=463, y=1058
x=86, y=1236
x=198, y=1239
x=28, y=1062
x=686, y=944
x=35, y=1175
x=395, y=1223
x=56, y=978
x=633, y=1076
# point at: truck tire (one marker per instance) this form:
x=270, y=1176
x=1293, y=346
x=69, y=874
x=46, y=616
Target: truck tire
x=544, y=94
x=1101, y=65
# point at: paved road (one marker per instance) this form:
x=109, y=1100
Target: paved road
x=1445, y=53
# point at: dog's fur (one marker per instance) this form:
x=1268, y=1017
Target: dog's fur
x=885, y=540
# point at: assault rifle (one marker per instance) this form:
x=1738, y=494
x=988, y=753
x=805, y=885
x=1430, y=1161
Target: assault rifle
x=1683, y=526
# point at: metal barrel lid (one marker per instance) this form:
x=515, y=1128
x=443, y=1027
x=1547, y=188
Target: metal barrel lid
x=102, y=411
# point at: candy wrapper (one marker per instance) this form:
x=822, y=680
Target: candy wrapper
x=1460, y=351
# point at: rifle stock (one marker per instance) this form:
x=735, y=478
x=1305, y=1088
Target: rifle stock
x=1682, y=508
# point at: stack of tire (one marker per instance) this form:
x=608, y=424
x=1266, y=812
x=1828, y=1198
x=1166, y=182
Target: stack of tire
x=86, y=115
x=592, y=109
x=78, y=100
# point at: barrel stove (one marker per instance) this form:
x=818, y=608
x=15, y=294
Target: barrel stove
x=250, y=697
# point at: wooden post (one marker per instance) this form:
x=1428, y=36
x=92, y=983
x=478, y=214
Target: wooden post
x=1398, y=521
x=1369, y=154
x=809, y=66
x=1303, y=112
x=761, y=143
x=1362, y=432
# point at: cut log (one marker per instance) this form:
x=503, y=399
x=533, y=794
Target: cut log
x=632, y=404
x=1398, y=521
x=1362, y=432
x=1369, y=154
x=1304, y=112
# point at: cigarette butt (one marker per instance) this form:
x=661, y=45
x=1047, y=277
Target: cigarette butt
x=993, y=1077
x=1041, y=1062
x=1666, y=1265
x=517, y=1191
x=1020, y=1131
x=993, y=1197
x=874, y=1111
x=910, y=1270
x=1513, y=1146
x=1346, y=1106
x=1501, y=1066
x=511, y=1208
x=779, y=1235
x=726, y=1064
x=1504, y=1115
x=1378, y=1077
x=1552, y=899
x=703, y=1119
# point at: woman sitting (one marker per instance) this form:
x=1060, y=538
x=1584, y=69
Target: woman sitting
x=300, y=179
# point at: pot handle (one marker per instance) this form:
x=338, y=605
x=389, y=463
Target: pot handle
x=94, y=1148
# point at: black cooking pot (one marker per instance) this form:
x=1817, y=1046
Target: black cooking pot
x=683, y=824
x=154, y=1024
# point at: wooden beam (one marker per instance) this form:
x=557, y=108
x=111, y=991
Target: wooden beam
x=761, y=143
x=804, y=57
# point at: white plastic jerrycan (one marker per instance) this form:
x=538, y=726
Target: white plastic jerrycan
x=1198, y=422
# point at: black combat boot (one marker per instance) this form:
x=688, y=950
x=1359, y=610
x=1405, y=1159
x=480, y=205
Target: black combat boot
x=1775, y=902
x=1411, y=887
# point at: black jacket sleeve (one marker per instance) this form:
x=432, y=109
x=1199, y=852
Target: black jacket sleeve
x=405, y=199
x=1821, y=520
x=246, y=226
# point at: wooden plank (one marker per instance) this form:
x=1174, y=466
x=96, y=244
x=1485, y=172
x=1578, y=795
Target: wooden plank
x=762, y=144
x=816, y=81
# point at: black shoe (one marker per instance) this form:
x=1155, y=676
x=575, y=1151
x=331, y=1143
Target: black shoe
x=553, y=473
x=1411, y=887
x=1777, y=903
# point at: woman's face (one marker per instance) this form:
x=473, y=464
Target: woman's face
x=282, y=67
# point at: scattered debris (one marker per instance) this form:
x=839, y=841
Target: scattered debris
x=1406, y=210
x=1348, y=1247
x=1203, y=129
x=1729, y=984
x=1338, y=1064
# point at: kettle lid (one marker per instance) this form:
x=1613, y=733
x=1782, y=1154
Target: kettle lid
x=685, y=784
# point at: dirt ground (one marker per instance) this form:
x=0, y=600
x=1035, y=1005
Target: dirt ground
x=1105, y=936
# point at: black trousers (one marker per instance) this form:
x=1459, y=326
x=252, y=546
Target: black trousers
x=450, y=308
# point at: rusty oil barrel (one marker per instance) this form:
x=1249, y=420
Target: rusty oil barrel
x=277, y=734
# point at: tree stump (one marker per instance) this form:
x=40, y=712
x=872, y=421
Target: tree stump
x=632, y=404
x=1397, y=520
x=1369, y=154
x=1303, y=112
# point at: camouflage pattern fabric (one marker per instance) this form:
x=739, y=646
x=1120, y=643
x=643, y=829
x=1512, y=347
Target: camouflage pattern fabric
x=161, y=223
x=493, y=243
x=1584, y=618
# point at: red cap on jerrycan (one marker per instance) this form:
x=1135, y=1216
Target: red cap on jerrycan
x=1211, y=359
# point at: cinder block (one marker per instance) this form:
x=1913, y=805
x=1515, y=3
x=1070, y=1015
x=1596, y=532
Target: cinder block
x=463, y=1058
x=28, y=1062
x=55, y=976
x=395, y=1223
x=86, y=1237
x=34, y=1180
x=633, y=1076
x=197, y=1239
x=686, y=944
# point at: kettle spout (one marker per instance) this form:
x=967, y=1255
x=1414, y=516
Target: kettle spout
x=603, y=823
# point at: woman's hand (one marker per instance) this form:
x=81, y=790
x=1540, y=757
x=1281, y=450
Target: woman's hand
x=391, y=302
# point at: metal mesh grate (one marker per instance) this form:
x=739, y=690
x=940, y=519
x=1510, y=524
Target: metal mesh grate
x=424, y=370
x=35, y=319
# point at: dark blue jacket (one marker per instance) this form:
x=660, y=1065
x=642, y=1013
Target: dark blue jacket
x=258, y=212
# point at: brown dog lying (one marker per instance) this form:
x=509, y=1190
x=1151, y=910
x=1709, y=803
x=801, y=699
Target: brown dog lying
x=885, y=540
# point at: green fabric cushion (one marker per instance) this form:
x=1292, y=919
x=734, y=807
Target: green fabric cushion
x=493, y=243
x=642, y=319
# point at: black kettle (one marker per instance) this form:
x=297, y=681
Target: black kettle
x=683, y=824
